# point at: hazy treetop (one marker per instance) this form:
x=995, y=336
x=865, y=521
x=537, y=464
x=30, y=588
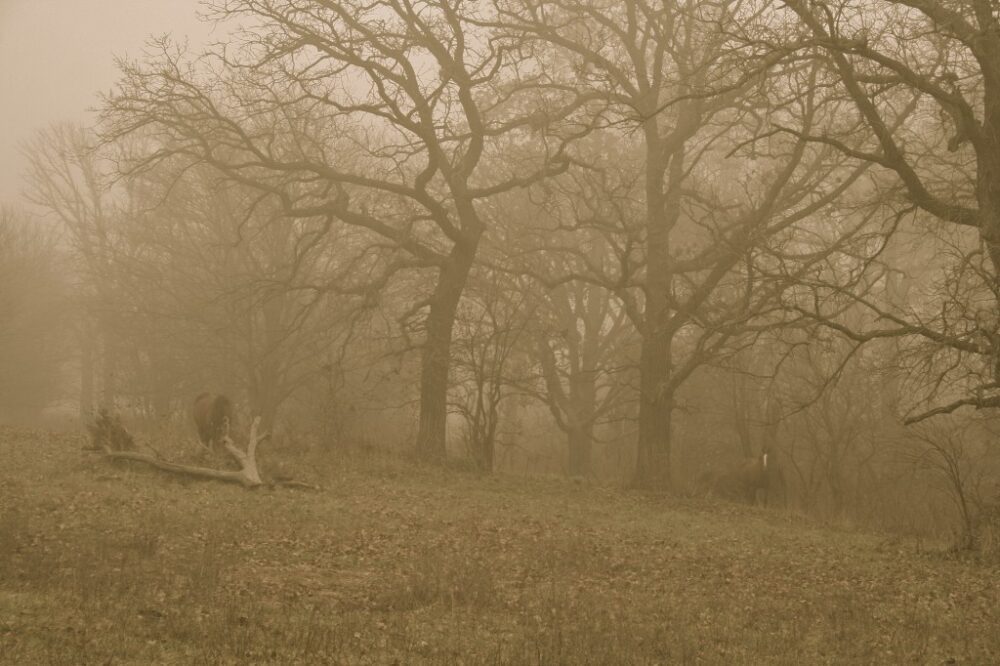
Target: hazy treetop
x=56, y=55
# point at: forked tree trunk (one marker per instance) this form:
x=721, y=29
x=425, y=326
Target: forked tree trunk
x=436, y=354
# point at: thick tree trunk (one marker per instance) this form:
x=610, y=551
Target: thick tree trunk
x=87, y=374
x=436, y=355
x=487, y=453
x=655, y=416
x=581, y=445
x=988, y=166
x=582, y=408
x=988, y=189
x=655, y=396
x=108, y=389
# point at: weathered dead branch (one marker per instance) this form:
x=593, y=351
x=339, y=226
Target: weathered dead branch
x=109, y=431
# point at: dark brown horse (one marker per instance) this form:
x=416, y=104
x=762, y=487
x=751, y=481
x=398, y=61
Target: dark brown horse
x=213, y=416
x=755, y=479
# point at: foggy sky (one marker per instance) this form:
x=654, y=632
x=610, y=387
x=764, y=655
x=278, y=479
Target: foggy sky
x=55, y=55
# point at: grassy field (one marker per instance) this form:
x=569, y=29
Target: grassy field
x=112, y=564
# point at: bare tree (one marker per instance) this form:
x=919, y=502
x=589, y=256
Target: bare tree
x=694, y=97
x=235, y=294
x=491, y=321
x=68, y=178
x=403, y=104
x=923, y=79
x=961, y=457
x=835, y=423
x=579, y=342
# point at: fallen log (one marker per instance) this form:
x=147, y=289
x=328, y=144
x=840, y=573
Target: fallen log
x=108, y=434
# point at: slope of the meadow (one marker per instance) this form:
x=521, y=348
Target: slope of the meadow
x=116, y=564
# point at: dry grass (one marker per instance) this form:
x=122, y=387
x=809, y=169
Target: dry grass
x=110, y=564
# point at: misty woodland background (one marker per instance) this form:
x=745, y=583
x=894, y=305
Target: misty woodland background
x=625, y=242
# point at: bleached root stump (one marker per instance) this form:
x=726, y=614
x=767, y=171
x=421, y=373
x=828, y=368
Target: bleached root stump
x=248, y=475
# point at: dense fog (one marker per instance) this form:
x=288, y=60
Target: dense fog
x=741, y=249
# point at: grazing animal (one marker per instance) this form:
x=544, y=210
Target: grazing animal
x=754, y=479
x=213, y=416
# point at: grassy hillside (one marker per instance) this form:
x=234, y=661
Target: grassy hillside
x=108, y=564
